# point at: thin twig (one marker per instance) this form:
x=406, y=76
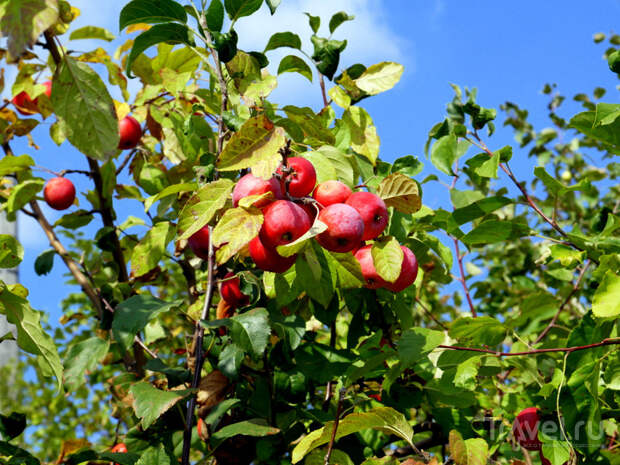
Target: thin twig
x=336, y=422
x=459, y=258
x=328, y=388
x=604, y=342
x=125, y=161
x=323, y=92
x=565, y=303
x=430, y=314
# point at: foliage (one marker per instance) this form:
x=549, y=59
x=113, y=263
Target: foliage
x=312, y=365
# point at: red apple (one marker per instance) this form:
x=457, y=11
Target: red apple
x=202, y=431
x=230, y=290
x=311, y=209
x=302, y=178
x=25, y=105
x=130, y=132
x=543, y=460
x=525, y=428
x=251, y=185
x=373, y=211
x=330, y=192
x=199, y=242
x=408, y=272
x=268, y=259
x=119, y=448
x=59, y=193
x=364, y=257
x=284, y=221
x=345, y=228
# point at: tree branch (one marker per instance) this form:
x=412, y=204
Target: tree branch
x=459, y=258
x=336, y=422
x=604, y=342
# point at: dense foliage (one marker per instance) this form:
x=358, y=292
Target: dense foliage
x=188, y=351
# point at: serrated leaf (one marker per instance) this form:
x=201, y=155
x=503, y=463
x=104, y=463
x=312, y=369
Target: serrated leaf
x=283, y=39
x=149, y=403
x=388, y=258
x=132, y=315
x=11, y=251
x=83, y=357
x=416, y=343
x=92, y=32
x=30, y=335
x=149, y=251
x=251, y=331
x=294, y=64
x=482, y=331
x=23, y=21
x=81, y=99
x=203, y=206
x=468, y=452
x=364, y=138
x=150, y=12
x=384, y=419
x=235, y=230
x=606, y=300
x=401, y=192
x=256, y=143
x=380, y=77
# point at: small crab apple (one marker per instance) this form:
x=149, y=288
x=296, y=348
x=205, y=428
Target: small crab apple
x=130, y=132
x=59, y=193
x=119, y=448
x=230, y=290
x=525, y=428
x=25, y=105
x=311, y=209
x=268, y=259
x=252, y=185
x=373, y=211
x=345, y=228
x=199, y=242
x=302, y=176
x=284, y=221
x=372, y=278
x=330, y=192
x=408, y=272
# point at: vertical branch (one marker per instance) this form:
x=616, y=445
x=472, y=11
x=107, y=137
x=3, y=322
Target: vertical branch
x=323, y=92
x=459, y=258
x=330, y=447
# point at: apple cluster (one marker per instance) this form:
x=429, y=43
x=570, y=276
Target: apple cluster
x=291, y=201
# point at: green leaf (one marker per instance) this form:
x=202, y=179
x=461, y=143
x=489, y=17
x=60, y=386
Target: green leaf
x=256, y=427
x=384, y=419
x=488, y=169
x=319, y=285
x=408, y=165
x=606, y=300
x=11, y=251
x=555, y=187
x=483, y=330
x=557, y=452
x=11, y=164
x=468, y=452
x=215, y=15
x=170, y=33
x=81, y=99
x=323, y=166
x=342, y=163
x=151, y=12
x=235, y=230
x=608, y=134
x=401, y=192
x=133, y=314
x=327, y=54
x=493, y=231
x=338, y=457
x=23, y=21
x=255, y=145
x=380, y=77
x=444, y=154
x=297, y=245
x=479, y=209
x=340, y=97
x=82, y=357
x=283, y=39
x=238, y=8
x=388, y=258
x=389, y=460
x=606, y=113
x=203, y=206
x=149, y=251
x=294, y=64
x=220, y=409
x=30, y=335
x=337, y=19
x=273, y=4
x=314, y=21
x=416, y=343
x=251, y=331
x=149, y=403
x=151, y=456
x=92, y=32
x=170, y=190
x=347, y=269
x=311, y=124
x=364, y=138
x=44, y=262
x=17, y=455
x=23, y=193
x=12, y=425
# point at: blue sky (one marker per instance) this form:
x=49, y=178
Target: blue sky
x=508, y=50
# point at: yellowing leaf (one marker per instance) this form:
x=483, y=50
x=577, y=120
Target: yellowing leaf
x=364, y=138
x=203, y=205
x=401, y=192
x=388, y=258
x=606, y=301
x=468, y=452
x=151, y=248
x=380, y=77
x=235, y=230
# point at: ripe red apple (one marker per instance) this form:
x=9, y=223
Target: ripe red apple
x=364, y=257
x=373, y=211
x=408, y=272
x=25, y=105
x=199, y=242
x=130, y=132
x=330, y=192
x=302, y=178
x=284, y=221
x=543, y=460
x=59, y=193
x=525, y=428
x=251, y=185
x=230, y=290
x=268, y=259
x=345, y=228
x=311, y=209
x=119, y=448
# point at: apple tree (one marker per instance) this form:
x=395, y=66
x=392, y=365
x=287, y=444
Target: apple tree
x=276, y=292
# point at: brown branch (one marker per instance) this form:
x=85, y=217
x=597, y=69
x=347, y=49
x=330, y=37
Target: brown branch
x=329, y=386
x=459, y=258
x=125, y=161
x=323, y=92
x=604, y=342
x=564, y=303
x=336, y=423
x=430, y=314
